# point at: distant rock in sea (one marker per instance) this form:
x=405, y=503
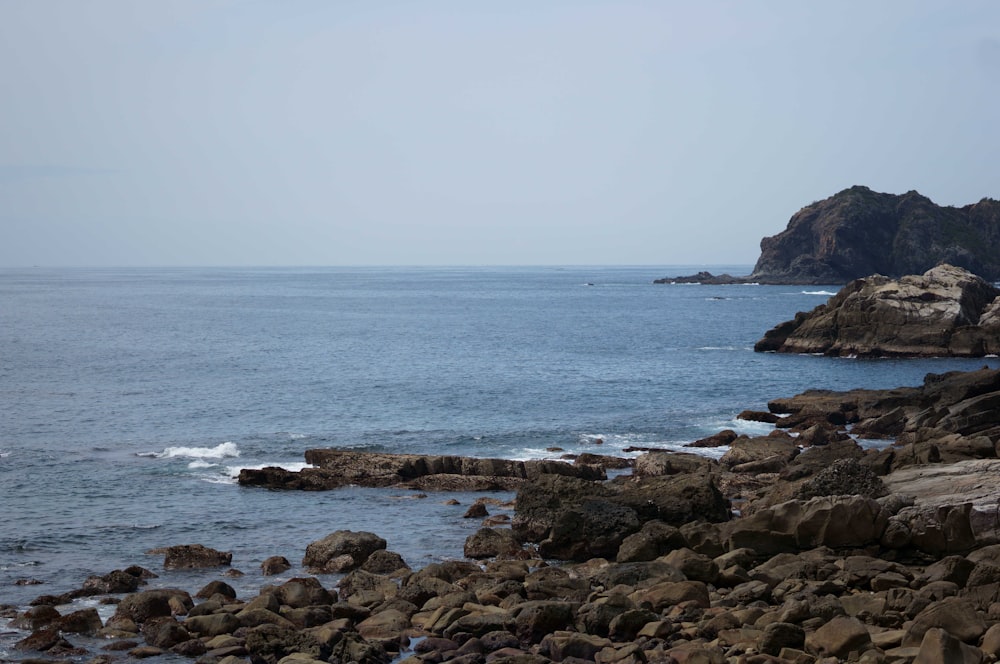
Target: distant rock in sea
x=859, y=232
x=947, y=311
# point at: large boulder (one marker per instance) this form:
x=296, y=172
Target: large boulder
x=832, y=521
x=591, y=529
x=341, y=551
x=879, y=316
x=574, y=519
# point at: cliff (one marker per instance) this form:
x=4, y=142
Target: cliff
x=859, y=232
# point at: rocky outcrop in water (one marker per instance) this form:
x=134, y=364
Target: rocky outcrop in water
x=858, y=232
x=337, y=468
x=945, y=311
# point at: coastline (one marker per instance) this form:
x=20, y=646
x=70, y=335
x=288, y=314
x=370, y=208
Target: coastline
x=756, y=586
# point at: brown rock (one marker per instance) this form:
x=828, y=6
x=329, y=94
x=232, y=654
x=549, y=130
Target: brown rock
x=194, y=556
x=940, y=647
x=839, y=637
x=490, y=543
x=341, y=551
x=957, y=616
x=275, y=565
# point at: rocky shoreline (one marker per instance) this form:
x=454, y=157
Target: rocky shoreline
x=800, y=546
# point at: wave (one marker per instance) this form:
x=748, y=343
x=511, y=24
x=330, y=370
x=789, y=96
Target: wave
x=817, y=292
x=221, y=451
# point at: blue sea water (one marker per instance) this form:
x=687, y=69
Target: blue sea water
x=131, y=397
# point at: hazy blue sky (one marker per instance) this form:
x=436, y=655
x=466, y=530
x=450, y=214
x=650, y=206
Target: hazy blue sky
x=318, y=132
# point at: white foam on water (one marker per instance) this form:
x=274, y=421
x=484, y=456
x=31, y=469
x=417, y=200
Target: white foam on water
x=817, y=292
x=200, y=463
x=221, y=451
x=536, y=453
x=4, y=454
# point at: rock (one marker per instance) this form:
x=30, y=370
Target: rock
x=194, y=556
x=542, y=506
x=212, y=625
x=834, y=521
x=671, y=463
x=705, y=278
x=534, y=620
x=341, y=551
x=955, y=615
x=745, y=450
x=878, y=316
x=384, y=562
x=476, y=511
x=301, y=592
x=694, y=566
x=115, y=582
x=670, y=593
x=336, y=468
x=140, y=607
x=268, y=644
x=940, y=647
x=216, y=588
x=839, y=637
x=778, y=636
x=275, y=565
x=36, y=617
x=595, y=617
x=561, y=645
x=85, y=621
x=384, y=626
x=360, y=584
x=164, y=633
x=43, y=640
x=594, y=528
x=675, y=500
x=654, y=539
x=491, y=542
x=721, y=439
x=858, y=232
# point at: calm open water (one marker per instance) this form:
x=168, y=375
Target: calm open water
x=130, y=397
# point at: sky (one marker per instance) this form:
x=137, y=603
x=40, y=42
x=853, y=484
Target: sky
x=326, y=132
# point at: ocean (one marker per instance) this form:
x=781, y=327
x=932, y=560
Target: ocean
x=132, y=397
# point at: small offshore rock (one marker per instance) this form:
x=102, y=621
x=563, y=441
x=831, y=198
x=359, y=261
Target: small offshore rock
x=275, y=565
x=194, y=556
